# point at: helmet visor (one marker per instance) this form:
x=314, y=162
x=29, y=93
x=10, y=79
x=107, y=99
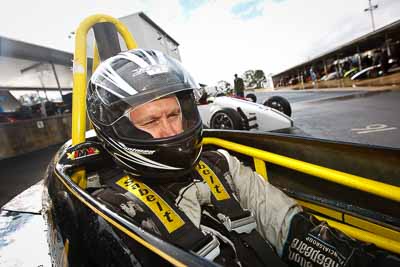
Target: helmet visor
x=159, y=119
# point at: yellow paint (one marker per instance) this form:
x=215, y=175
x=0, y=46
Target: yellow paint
x=135, y=237
x=261, y=168
x=216, y=187
x=79, y=177
x=167, y=216
x=64, y=260
x=349, y=180
x=96, y=57
x=80, y=79
x=372, y=227
x=354, y=221
x=365, y=236
x=80, y=71
x=326, y=211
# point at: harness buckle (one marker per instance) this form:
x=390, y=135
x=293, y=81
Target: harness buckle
x=242, y=225
x=211, y=250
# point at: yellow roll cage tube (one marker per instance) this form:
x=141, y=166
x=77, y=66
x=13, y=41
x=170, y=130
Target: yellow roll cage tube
x=383, y=237
x=80, y=79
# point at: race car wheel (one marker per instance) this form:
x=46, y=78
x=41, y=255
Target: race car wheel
x=279, y=103
x=226, y=118
x=252, y=97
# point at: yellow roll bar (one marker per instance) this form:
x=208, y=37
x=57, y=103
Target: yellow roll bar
x=80, y=79
x=381, y=236
x=259, y=156
x=349, y=180
x=380, y=241
x=80, y=71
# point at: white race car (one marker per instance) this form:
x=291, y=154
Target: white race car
x=239, y=114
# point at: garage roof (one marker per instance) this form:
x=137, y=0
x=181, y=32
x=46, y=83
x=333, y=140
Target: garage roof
x=364, y=43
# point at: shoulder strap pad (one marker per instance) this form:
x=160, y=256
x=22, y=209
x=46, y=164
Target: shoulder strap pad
x=148, y=208
x=231, y=213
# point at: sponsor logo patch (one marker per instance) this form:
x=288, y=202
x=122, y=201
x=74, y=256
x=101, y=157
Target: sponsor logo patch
x=137, y=150
x=167, y=216
x=82, y=153
x=314, y=252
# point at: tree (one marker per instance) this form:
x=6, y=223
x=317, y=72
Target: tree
x=254, y=79
x=224, y=87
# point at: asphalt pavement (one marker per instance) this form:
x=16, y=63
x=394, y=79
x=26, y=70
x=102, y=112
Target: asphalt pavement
x=19, y=173
x=367, y=118
x=295, y=97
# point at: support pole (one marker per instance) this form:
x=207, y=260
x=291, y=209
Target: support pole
x=56, y=77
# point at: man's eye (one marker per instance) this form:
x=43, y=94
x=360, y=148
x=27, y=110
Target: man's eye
x=176, y=114
x=148, y=123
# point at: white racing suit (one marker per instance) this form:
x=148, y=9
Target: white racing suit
x=297, y=237
x=272, y=208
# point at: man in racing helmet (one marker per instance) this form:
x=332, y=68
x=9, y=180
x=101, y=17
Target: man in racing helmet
x=142, y=106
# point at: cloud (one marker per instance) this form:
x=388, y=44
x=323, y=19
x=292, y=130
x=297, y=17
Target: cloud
x=217, y=38
x=190, y=5
x=248, y=9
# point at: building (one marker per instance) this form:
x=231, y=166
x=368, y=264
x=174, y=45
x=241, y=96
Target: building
x=30, y=67
x=148, y=34
x=385, y=38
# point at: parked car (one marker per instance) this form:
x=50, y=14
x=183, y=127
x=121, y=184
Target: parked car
x=239, y=114
x=22, y=113
x=329, y=76
x=370, y=72
x=350, y=72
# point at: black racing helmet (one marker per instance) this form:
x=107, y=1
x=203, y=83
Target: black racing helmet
x=126, y=82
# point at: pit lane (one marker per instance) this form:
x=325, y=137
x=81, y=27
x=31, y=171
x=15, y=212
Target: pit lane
x=358, y=116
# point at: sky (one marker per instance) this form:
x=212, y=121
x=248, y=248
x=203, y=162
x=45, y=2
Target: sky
x=217, y=38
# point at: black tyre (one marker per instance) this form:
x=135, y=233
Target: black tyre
x=279, y=103
x=253, y=97
x=226, y=118
x=220, y=94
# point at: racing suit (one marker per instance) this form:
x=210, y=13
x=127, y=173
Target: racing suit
x=273, y=209
x=298, y=238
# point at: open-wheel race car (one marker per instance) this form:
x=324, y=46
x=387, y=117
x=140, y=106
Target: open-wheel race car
x=352, y=187
x=225, y=112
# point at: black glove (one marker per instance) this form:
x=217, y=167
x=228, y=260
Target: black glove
x=313, y=243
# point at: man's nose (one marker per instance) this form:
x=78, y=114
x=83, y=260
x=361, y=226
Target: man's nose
x=167, y=128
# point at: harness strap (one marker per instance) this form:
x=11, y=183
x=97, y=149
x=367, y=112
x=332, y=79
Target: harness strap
x=160, y=215
x=231, y=214
x=239, y=222
x=262, y=249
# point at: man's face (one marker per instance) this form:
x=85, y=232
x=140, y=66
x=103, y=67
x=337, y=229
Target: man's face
x=161, y=118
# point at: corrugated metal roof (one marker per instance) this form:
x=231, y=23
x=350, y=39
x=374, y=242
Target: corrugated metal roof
x=23, y=50
x=368, y=41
